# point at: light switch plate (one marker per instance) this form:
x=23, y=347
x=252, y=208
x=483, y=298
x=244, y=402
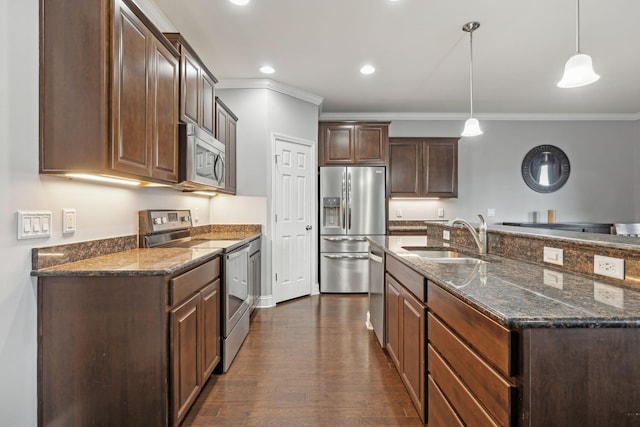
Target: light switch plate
x=553, y=255
x=446, y=235
x=34, y=224
x=440, y=212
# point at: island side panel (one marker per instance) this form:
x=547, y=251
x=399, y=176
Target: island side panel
x=581, y=376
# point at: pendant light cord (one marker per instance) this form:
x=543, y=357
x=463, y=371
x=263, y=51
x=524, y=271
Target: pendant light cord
x=577, y=26
x=471, y=71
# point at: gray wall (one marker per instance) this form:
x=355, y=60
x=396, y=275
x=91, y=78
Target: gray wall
x=262, y=113
x=602, y=185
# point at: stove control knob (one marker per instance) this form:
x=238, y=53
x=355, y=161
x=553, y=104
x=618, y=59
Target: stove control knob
x=164, y=219
x=186, y=218
x=157, y=220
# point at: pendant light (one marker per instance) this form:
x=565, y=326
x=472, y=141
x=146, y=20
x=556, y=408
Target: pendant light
x=578, y=71
x=471, y=126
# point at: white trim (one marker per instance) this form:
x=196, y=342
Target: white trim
x=314, y=208
x=487, y=116
x=265, y=302
x=153, y=12
x=271, y=85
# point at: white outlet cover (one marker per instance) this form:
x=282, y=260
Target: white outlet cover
x=440, y=212
x=553, y=255
x=491, y=212
x=608, y=266
x=446, y=235
x=69, y=218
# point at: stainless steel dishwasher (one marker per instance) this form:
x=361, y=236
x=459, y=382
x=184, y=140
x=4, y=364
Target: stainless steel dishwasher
x=376, y=292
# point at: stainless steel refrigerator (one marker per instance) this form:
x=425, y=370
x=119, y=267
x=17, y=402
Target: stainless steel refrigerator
x=352, y=207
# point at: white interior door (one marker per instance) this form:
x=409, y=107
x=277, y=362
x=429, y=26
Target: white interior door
x=293, y=203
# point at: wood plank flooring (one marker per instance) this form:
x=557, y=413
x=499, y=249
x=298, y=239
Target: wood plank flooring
x=308, y=362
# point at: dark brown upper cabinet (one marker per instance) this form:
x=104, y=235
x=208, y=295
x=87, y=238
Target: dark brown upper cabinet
x=108, y=92
x=226, y=132
x=353, y=143
x=423, y=167
x=197, y=84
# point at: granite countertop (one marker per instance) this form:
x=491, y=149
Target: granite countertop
x=147, y=261
x=522, y=295
x=134, y=262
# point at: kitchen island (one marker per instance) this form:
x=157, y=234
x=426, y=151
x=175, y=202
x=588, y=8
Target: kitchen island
x=507, y=342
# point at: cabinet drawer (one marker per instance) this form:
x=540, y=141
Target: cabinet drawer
x=491, y=389
x=468, y=408
x=440, y=412
x=491, y=340
x=409, y=278
x=186, y=284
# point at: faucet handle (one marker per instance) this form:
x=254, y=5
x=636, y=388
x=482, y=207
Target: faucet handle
x=483, y=223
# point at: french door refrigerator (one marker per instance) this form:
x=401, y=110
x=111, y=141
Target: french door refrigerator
x=352, y=207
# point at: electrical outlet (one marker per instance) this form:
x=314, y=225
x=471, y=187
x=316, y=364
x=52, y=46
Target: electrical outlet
x=196, y=215
x=608, y=266
x=607, y=294
x=399, y=213
x=553, y=279
x=446, y=235
x=440, y=212
x=553, y=255
x=68, y=221
x=491, y=212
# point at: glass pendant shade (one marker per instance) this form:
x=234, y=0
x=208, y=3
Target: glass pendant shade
x=471, y=127
x=578, y=71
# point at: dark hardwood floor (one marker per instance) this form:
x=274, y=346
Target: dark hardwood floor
x=308, y=362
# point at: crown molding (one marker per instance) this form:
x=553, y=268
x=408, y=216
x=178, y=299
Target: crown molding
x=271, y=85
x=153, y=12
x=488, y=116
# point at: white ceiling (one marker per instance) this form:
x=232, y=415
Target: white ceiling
x=421, y=53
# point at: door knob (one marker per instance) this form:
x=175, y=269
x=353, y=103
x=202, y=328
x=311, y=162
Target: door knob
x=308, y=227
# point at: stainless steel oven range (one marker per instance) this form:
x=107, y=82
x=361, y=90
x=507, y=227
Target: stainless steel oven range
x=172, y=228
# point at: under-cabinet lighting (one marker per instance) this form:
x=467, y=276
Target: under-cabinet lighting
x=205, y=193
x=101, y=178
x=415, y=198
x=240, y=2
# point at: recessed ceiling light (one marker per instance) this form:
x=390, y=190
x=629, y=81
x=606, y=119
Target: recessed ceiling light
x=267, y=69
x=240, y=2
x=367, y=69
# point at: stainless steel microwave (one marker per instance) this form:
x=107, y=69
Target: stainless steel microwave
x=201, y=159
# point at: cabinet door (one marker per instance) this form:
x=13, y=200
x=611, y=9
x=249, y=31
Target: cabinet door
x=222, y=118
x=370, y=144
x=337, y=144
x=208, y=104
x=165, y=113
x=412, y=356
x=186, y=365
x=394, y=320
x=131, y=105
x=190, y=101
x=210, y=328
x=405, y=163
x=231, y=156
x=440, y=166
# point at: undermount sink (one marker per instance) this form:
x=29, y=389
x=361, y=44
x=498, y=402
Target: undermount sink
x=442, y=255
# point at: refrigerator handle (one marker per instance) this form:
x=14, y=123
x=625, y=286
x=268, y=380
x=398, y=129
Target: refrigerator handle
x=343, y=209
x=349, y=200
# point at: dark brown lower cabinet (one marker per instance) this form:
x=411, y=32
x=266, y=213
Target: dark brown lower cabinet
x=406, y=334
x=103, y=352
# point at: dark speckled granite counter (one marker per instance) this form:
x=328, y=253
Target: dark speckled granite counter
x=518, y=294
x=119, y=256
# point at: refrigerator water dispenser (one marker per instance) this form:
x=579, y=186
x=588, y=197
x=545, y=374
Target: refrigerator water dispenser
x=331, y=211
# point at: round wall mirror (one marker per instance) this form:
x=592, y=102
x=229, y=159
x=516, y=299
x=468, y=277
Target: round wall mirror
x=545, y=168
